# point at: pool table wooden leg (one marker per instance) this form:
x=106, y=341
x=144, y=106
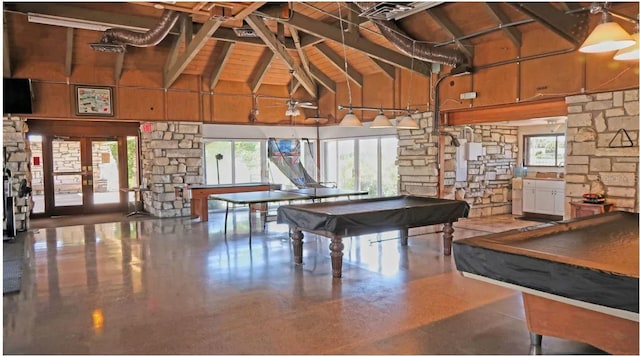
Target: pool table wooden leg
x=535, y=348
x=336, y=246
x=296, y=239
x=447, y=237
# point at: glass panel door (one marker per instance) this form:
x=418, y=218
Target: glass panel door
x=105, y=170
x=69, y=175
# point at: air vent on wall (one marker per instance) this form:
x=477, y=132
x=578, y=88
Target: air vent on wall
x=397, y=10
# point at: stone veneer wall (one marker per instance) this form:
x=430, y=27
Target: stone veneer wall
x=14, y=141
x=172, y=156
x=488, y=185
x=592, y=123
x=487, y=188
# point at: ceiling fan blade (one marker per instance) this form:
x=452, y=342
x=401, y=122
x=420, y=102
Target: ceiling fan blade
x=307, y=105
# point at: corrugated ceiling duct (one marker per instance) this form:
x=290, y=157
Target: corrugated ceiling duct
x=119, y=37
x=409, y=46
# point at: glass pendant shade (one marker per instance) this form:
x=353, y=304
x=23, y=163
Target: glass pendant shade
x=407, y=122
x=606, y=37
x=350, y=120
x=380, y=121
x=629, y=53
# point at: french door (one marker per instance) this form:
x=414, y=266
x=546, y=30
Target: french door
x=78, y=169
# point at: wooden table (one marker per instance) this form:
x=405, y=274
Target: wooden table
x=200, y=195
x=580, y=209
x=340, y=219
x=578, y=278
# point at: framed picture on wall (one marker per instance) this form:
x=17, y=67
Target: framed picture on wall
x=94, y=101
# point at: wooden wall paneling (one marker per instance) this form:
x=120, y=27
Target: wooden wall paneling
x=140, y=104
x=51, y=99
x=183, y=105
x=606, y=74
x=494, y=86
x=206, y=100
x=87, y=74
x=231, y=109
x=342, y=98
x=560, y=75
x=327, y=105
x=414, y=90
x=450, y=90
x=232, y=87
x=377, y=91
x=140, y=78
x=272, y=104
x=186, y=82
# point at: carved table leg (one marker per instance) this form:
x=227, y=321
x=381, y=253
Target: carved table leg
x=447, y=237
x=296, y=238
x=404, y=237
x=336, y=246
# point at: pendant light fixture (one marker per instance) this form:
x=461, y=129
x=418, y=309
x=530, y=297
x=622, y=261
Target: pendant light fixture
x=350, y=119
x=607, y=36
x=380, y=121
x=406, y=121
x=629, y=53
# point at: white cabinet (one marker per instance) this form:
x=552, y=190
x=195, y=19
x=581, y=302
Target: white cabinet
x=543, y=196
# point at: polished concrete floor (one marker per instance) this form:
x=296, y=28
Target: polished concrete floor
x=178, y=286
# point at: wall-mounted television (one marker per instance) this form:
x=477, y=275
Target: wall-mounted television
x=16, y=96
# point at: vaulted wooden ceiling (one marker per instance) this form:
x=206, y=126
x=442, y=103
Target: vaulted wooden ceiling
x=306, y=37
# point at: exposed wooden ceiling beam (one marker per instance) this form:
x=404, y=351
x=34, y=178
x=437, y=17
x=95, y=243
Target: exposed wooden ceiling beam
x=117, y=71
x=260, y=70
x=514, y=34
x=339, y=63
x=172, y=73
x=278, y=48
x=440, y=17
x=175, y=47
x=303, y=57
x=321, y=29
x=387, y=69
x=571, y=27
x=248, y=10
x=6, y=58
x=68, y=58
x=218, y=66
x=322, y=78
x=307, y=40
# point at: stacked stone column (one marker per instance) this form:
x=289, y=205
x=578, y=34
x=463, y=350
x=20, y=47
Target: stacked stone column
x=19, y=155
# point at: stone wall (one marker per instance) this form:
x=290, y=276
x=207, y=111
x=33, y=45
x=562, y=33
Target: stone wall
x=593, y=122
x=14, y=142
x=488, y=185
x=171, y=157
x=487, y=188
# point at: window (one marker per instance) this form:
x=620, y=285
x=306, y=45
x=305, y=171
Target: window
x=544, y=150
x=364, y=164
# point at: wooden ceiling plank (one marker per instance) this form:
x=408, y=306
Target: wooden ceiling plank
x=205, y=32
x=260, y=70
x=387, y=69
x=248, y=10
x=68, y=59
x=339, y=62
x=218, y=66
x=327, y=31
x=514, y=34
x=200, y=5
x=322, y=78
x=278, y=48
x=6, y=57
x=441, y=18
x=117, y=72
x=557, y=21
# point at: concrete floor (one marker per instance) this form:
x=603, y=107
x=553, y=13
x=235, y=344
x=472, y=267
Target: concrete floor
x=177, y=286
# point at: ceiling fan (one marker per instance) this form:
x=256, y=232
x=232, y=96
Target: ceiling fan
x=293, y=105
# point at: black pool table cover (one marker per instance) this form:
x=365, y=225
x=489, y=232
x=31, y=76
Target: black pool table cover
x=373, y=214
x=592, y=259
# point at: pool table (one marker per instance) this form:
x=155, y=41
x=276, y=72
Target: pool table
x=578, y=278
x=340, y=219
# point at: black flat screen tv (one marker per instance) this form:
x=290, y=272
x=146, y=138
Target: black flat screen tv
x=16, y=96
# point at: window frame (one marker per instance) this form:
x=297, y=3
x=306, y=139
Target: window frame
x=526, y=143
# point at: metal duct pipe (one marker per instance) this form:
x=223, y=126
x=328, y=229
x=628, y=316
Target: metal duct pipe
x=422, y=51
x=115, y=39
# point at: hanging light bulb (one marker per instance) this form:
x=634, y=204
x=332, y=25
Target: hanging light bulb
x=380, y=121
x=629, y=53
x=407, y=122
x=607, y=36
x=350, y=120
